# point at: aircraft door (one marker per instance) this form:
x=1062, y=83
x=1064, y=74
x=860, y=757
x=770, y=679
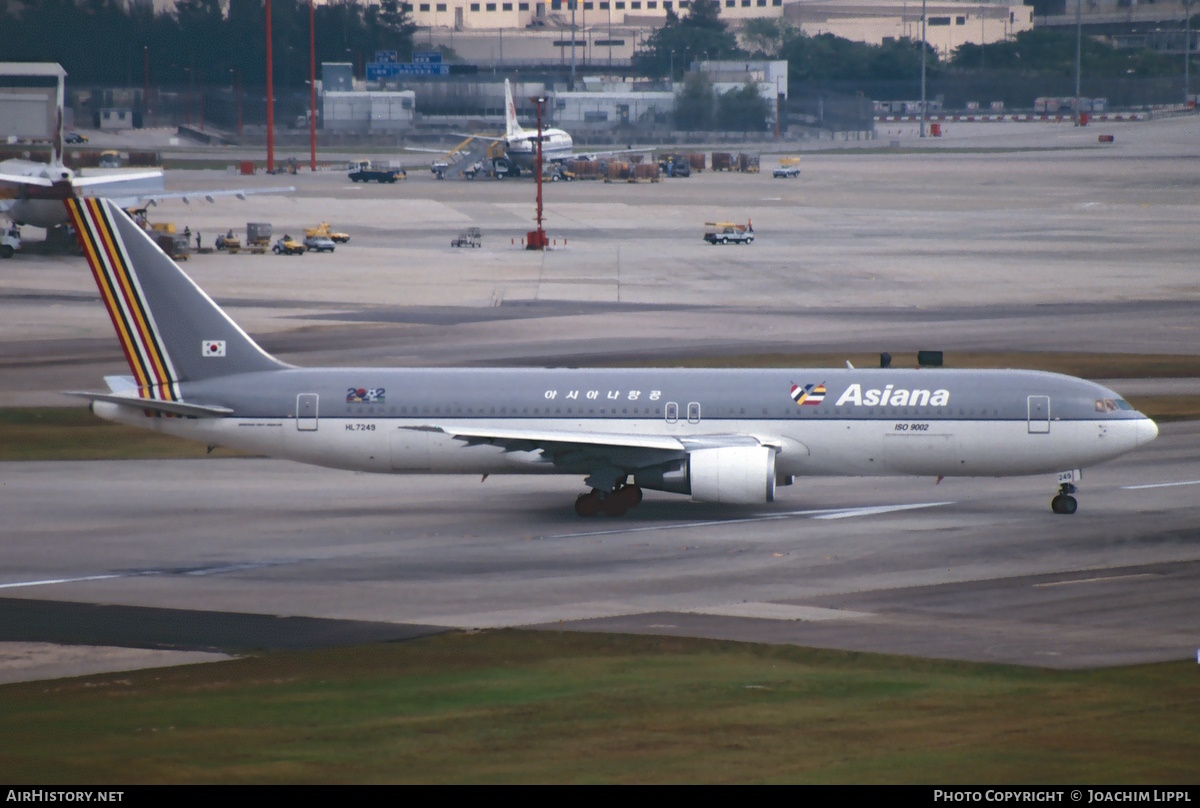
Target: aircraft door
x=306, y=412
x=693, y=412
x=1039, y=415
x=672, y=412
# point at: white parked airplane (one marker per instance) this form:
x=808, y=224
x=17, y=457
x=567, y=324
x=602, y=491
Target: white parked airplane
x=520, y=144
x=727, y=436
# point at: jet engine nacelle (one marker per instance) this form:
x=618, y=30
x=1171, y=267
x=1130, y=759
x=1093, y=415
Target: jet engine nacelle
x=733, y=474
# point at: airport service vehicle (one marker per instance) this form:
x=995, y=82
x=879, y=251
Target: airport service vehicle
x=786, y=171
x=286, y=245
x=675, y=165
x=10, y=242
x=471, y=237
x=726, y=436
x=728, y=233
x=365, y=172
x=323, y=230
x=318, y=244
x=229, y=242
x=74, y=137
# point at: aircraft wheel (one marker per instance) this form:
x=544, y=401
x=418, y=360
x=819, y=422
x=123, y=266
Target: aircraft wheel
x=615, y=504
x=1070, y=505
x=632, y=494
x=587, y=504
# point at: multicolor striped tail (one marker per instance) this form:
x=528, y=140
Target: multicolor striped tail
x=138, y=333
x=169, y=329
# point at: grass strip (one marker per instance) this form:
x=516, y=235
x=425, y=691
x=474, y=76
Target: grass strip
x=516, y=706
x=74, y=433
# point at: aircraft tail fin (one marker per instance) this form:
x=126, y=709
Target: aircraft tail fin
x=169, y=329
x=511, y=127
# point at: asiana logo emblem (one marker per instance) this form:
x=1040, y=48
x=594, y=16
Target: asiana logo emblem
x=889, y=397
x=810, y=395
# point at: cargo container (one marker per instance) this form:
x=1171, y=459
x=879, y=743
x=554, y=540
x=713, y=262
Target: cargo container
x=747, y=163
x=722, y=161
x=645, y=172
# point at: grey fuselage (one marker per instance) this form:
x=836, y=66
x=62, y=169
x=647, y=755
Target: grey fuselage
x=870, y=422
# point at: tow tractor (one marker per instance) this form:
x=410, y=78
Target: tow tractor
x=287, y=245
x=323, y=230
x=727, y=232
x=229, y=243
x=10, y=242
x=364, y=171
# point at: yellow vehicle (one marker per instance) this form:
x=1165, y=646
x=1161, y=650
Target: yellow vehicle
x=287, y=245
x=323, y=230
x=229, y=242
x=110, y=159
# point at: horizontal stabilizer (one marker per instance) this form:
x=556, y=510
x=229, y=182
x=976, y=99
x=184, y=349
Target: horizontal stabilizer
x=173, y=407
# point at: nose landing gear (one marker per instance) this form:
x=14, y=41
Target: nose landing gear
x=1064, y=503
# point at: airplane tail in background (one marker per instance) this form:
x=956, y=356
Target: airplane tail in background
x=169, y=329
x=512, y=129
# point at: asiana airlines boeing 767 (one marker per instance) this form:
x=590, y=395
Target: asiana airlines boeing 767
x=724, y=436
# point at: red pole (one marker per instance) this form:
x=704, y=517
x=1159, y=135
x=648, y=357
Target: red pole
x=270, y=98
x=539, y=166
x=312, y=89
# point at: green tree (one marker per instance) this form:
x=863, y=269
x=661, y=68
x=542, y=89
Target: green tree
x=742, y=110
x=765, y=37
x=694, y=104
x=826, y=57
x=1043, y=52
x=683, y=40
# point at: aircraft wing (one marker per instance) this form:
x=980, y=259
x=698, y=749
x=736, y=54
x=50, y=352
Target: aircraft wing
x=23, y=179
x=100, y=180
x=149, y=198
x=599, y=154
x=603, y=455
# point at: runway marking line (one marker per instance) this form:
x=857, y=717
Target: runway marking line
x=1097, y=580
x=819, y=513
x=60, y=581
x=1159, y=485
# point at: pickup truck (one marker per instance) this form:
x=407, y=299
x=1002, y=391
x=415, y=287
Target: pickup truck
x=368, y=174
x=727, y=232
x=10, y=242
x=786, y=171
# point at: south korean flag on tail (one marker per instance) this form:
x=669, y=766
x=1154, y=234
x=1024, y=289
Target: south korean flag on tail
x=212, y=348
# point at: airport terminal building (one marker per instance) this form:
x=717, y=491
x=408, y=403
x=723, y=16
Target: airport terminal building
x=610, y=31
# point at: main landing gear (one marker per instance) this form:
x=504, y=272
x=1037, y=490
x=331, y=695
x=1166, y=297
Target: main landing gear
x=1064, y=503
x=610, y=503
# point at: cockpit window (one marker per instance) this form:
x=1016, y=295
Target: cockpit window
x=1122, y=404
x=1112, y=404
